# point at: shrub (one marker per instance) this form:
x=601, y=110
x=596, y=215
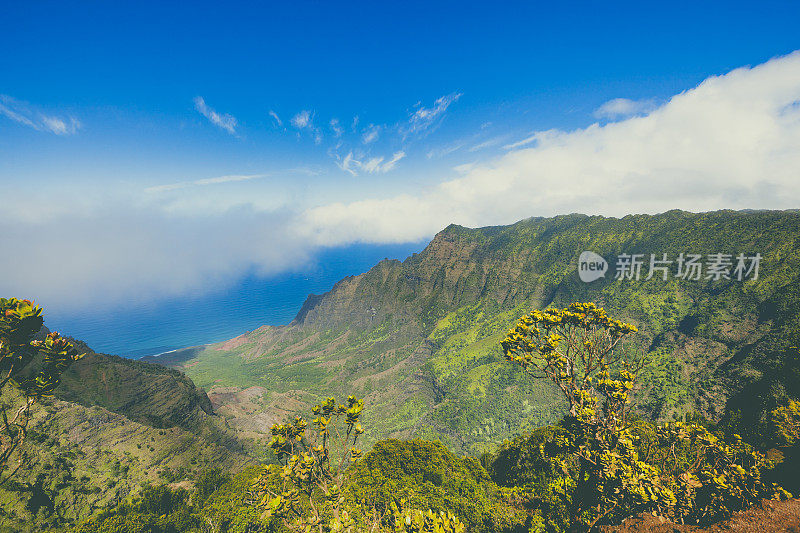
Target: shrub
x=599, y=467
x=20, y=321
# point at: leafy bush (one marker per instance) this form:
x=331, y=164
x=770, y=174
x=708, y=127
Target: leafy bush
x=157, y=509
x=312, y=478
x=423, y=475
x=600, y=471
x=20, y=321
x=325, y=487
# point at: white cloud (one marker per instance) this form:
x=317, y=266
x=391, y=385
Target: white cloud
x=624, y=108
x=302, y=119
x=128, y=255
x=374, y=165
x=223, y=120
x=731, y=142
x=24, y=114
x=276, y=118
x=425, y=118
x=371, y=134
x=204, y=181
x=336, y=128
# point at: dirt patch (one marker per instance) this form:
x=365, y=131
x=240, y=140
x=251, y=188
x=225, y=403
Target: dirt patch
x=234, y=398
x=769, y=516
x=233, y=343
x=247, y=410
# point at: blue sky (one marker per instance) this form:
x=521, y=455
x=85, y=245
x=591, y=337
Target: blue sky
x=129, y=73
x=161, y=149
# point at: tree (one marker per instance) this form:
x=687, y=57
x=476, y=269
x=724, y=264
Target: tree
x=20, y=321
x=312, y=476
x=603, y=476
x=575, y=347
x=307, y=492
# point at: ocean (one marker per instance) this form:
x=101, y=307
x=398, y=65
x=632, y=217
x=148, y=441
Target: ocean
x=220, y=314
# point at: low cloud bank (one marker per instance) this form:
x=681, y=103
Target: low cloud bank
x=124, y=256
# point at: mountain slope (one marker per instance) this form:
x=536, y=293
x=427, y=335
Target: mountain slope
x=419, y=338
x=150, y=394
x=113, y=425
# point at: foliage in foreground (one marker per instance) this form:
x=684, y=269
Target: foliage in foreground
x=599, y=471
x=157, y=509
x=766, y=413
x=20, y=321
x=600, y=464
x=307, y=492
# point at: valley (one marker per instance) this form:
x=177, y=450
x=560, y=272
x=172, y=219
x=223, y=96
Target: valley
x=419, y=339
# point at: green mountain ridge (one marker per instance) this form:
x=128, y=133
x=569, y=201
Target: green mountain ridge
x=420, y=338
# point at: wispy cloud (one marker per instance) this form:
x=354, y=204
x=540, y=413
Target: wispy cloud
x=356, y=159
x=338, y=131
x=204, y=181
x=26, y=115
x=349, y=164
x=389, y=165
x=374, y=165
x=624, y=108
x=276, y=118
x=223, y=120
x=302, y=119
x=445, y=150
x=534, y=138
x=371, y=134
x=425, y=118
x=494, y=141
x=351, y=143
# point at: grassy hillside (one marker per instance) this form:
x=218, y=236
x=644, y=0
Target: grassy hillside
x=113, y=426
x=149, y=394
x=419, y=338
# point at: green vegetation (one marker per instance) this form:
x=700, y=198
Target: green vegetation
x=20, y=321
x=599, y=465
x=316, y=473
x=600, y=474
x=67, y=461
x=767, y=414
x=426, y=475
x=132, y=446
x=421, y=337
